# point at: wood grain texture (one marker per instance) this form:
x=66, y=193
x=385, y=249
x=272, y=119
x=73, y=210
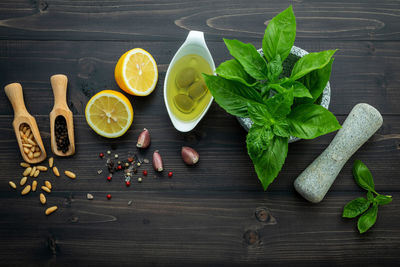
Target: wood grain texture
x=215, y=213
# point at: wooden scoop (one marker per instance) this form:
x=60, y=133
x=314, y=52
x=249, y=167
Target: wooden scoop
x=21, y=117
x=60, y=108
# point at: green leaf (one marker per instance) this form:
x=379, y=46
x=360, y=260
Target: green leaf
x=279, y=35
x=383, y=200
x=363, y=176
x=232, y=96
x=259, y=113
x=316, y=81
x=368, y=219
x=281, y=128
x=232, y=70
x=279, y=105
x=277, y=87
x=355, y=207
x=258, y=140
x=299, y=90
x=274, y=69
x=268, y=162
x=310, y=62
x=248, y=56
x=309, y=121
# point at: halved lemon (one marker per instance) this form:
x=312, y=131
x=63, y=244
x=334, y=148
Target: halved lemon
x=136, y=72
x=109, y=113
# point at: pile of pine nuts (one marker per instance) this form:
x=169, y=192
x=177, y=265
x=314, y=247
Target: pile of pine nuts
x=34, y=171
x=31, y=148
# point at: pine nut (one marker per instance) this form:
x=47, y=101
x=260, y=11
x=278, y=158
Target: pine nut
x=31, y=142
x=42, y=198
x=22, y=134
x=30, y=155
x=51, y=210
x=41, y=168
x=32, y=171
x=37, y=154
x=23, y=180
x=34, y=185
x=26, y=190
x=44, y=188
x=37, y=149
x=27, y=145
x=12, y=184
x=51, y=161
x=56, y=172
x=27, y=171
x=24, y=164
x=33, y=149
x=26, y=150
x=24, y=129
x=28, y=131
x=47, y=184
x=36, y=174
x=70, y=174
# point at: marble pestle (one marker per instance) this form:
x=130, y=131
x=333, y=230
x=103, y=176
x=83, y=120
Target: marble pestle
x=314, y=182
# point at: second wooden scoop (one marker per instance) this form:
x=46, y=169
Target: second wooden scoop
x=25, y=126
x=60, y=108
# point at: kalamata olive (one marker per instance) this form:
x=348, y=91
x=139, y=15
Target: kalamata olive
x=185, y=77
x=197, y=90
x=184, y=103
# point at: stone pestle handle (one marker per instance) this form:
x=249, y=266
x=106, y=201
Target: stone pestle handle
x=314, y=182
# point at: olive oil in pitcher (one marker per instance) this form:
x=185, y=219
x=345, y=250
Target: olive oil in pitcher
x=187, y=93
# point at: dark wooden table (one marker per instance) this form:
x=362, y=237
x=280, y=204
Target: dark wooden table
x=204, y=215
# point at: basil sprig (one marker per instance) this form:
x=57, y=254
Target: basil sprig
x=251, y=85
x=366, y=207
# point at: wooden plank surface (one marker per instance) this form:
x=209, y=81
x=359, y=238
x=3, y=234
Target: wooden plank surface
x=215, y=213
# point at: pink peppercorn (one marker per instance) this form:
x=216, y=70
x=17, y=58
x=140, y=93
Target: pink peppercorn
x=145, y=173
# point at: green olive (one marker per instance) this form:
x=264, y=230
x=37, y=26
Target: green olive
x=185, y=77
x=184, y=103
x=197, y=90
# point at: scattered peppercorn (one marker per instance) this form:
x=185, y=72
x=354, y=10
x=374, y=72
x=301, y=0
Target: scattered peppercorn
x=109, y=196
x=109, y=178
x=101, y=155
x=126, y=164
x=108, y=152
x=116, y=156
x=61, y=134
x=138, y=164
x=119, y=167
x=170, y=174
x=145, y=172
x=139, y=179
x=128, y=183
x=130, y=159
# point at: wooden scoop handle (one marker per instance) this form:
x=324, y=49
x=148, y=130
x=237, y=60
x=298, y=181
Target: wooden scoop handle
x=59, y=84
x=14, y=94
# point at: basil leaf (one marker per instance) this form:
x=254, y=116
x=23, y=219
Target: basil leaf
x=309, y=121
x=232, y=96
x=363, y=176
x=316, y=81
x=279, y=35
x=370, y=197
x=279, y=105
x=355, y=207
x=368, y=219
x=259, y=114
x=281, y=128
x=310, y=62
x=383, y=200
x=268, y=162
x=258, y=140
x=248, y=56
x=299, y=90
x=274, y=68
x=232, y=70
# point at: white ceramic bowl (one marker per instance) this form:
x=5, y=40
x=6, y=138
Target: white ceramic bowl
x=194, y=44
x=325, y=100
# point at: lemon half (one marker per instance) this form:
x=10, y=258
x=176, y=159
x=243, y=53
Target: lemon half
x=109, y=113
x=136, y=72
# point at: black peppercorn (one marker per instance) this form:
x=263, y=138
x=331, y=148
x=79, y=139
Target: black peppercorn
x=61, y=134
